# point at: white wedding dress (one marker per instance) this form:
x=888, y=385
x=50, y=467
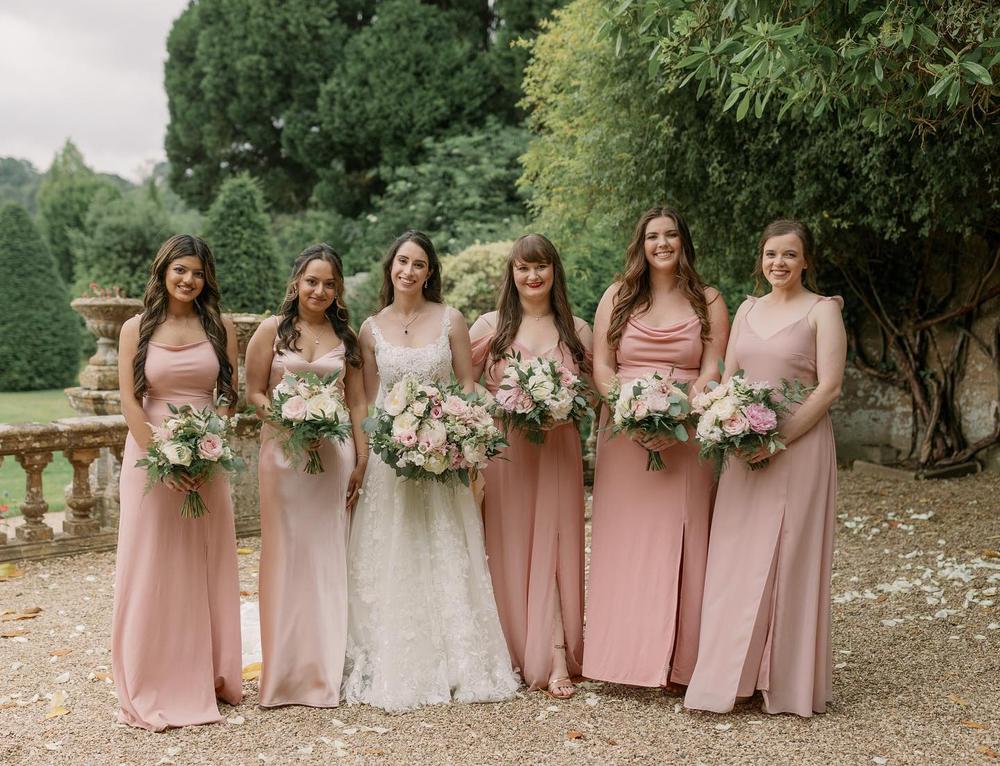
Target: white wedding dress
x=422, y=625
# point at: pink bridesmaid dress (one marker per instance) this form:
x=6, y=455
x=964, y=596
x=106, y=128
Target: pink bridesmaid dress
x=650, y=532
x=175, y=634
x=766, y=614
x=534, y=534
x=303, y=560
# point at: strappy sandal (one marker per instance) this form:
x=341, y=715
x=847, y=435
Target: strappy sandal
x=560, y=683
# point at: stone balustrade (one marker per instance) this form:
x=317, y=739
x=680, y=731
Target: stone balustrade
x=91, y=521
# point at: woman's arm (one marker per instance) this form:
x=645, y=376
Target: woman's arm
x=482, y=328
x=715, y=350
x=831, y=357
x=732, y=363
x=135, y=416
x=232, y=353
x=357, y=405
x=605, y=362
x=461, y=350
x=260, y=354
x=368, y=366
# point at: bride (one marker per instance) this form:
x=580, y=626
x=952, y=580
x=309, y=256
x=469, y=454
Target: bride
x=422, y=625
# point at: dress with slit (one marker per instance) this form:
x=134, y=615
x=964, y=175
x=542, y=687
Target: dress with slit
x=650, y=532
x=766, y=614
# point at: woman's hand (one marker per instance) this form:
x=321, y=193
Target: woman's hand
x=761, y=454
x=356, y=481
x=656, y=443
x=183, y=483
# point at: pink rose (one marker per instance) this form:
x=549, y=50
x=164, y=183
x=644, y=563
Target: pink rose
x=436, y=411
x=761, y=419
x=210, y=447
x=640, y=411
x=735, y=425
x=294, y=409
x=407, y=438
x=506, y=398
x=455, y=406
x=524, y=402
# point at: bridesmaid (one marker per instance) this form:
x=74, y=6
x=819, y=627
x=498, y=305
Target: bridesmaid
x=175, y=634
x=766, y=622
x=305, y=518
x=534, y=494
x=650, y=528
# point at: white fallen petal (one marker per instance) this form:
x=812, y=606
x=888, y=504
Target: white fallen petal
x=338, y=723
x=172, y=751
x=264, y=757
x=350, y=730
x=236, y=720
x=62, y=678
x=879, y=760
x=305, y=750
x=54, y=746
x=15, y=666
x=376, y=729
x=723, y=726
x=553, y=708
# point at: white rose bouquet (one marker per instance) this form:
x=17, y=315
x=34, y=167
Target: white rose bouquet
x=537, y=394
x=434, y=432
x=307, y=408
x=192, y=443
x=739, y=417
x=651, y=406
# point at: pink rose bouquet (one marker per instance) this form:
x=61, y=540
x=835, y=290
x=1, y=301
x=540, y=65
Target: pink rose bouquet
x=739, y=417
x=429, y=431
x=538, y=394
x=307, y=408
x=190, y=443
x=651, y=406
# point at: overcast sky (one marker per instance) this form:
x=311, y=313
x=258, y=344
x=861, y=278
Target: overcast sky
x=90, y=70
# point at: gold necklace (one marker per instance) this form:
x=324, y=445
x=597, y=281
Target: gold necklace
x=406, y=325
x=540, y=316
x=302, y=326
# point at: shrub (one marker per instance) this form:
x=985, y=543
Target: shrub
x=472, y=277
x=238, y=230
x=39, y=335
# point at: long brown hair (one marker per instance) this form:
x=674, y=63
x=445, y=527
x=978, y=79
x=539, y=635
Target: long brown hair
x=535, y=248
x=635, y=294
x=432, y=288
x=778, y=229
x=336, y=312
x=206, y=305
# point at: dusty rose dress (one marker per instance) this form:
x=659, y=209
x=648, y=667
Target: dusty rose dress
x=766, y=614
x=650, y=533
x=175, y=634
x=534, y=533
x=303, y=561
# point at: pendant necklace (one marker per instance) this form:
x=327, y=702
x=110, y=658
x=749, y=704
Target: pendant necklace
x=406, y=325
x=302, y=326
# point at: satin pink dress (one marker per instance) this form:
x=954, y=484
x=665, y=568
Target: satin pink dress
x=766, y=614
x=304, y=525
x=175, y=634
x=533, y=516
x=650, y=532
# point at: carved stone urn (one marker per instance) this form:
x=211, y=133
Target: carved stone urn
x=97, y=393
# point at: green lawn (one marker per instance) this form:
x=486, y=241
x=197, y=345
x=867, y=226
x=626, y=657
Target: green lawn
x=43, y=406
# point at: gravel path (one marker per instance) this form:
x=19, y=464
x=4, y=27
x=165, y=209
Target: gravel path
x=917, y=678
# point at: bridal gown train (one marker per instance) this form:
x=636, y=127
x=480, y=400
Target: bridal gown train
x=422, y=621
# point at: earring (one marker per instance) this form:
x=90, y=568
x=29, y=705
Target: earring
x=425, y=284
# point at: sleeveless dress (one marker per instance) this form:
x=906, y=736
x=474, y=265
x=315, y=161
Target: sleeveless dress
x=766, y=614
x=175, y=634
x=650, y=532
x=535, y=534
x=303, y=561
x=422, y=625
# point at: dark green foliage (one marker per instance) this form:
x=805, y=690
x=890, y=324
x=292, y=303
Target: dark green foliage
x=242, y=78
x=39, y=333
x=64, y=198
x=120, y=238
x=408, y=76
x=238, y=230
x=19, y=182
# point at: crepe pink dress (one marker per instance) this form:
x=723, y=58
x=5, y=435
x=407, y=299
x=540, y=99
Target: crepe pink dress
x=766, y=614
x=650, y=532
x=303, y=560
x=175, y=634
x=534, y=534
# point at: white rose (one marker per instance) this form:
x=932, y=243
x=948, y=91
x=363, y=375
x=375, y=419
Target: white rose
x=396, y=399
x=419, y=407
x=708, y=431
x=322, y=407
x=475, y=454
x=404, y=423
x=436, y=463
x=562, y=405
x=416, y=458
x=177, y=454
x=540, y=387
x=433, y=433
x=723, y=409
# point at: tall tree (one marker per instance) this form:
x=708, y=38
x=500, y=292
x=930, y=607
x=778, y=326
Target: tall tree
x=238, y=230
x=39, y=334
x=19, y=181
x=64, y=197
x=908, y=222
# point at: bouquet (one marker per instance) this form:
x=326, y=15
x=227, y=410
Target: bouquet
x=651, y=406
x=739, y=417
x=537, y=394
x=428, y=431
x=307, y=408
x=191, y=443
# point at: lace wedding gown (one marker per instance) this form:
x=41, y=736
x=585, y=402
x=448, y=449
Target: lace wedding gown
x=422, y=625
